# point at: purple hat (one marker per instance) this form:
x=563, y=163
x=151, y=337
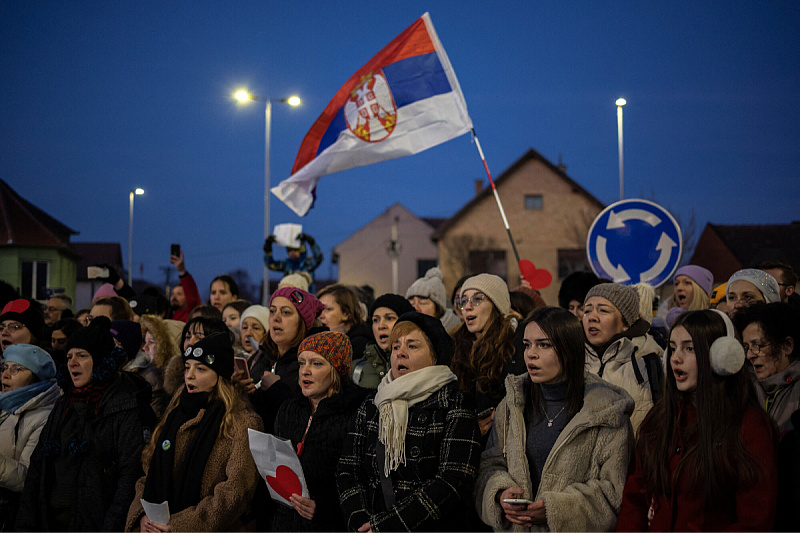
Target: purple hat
x=703, y=277
x=306, y=303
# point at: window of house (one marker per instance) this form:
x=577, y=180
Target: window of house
x=570, y=261
x=35, y=275
x=533, y=202
x=423, y=265
x=489, y=261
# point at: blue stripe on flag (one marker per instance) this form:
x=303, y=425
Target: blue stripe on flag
x=410, y=80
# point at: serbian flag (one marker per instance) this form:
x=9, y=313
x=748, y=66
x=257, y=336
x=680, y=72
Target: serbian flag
x=404, y=100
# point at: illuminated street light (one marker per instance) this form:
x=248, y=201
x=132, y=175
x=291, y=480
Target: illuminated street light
x=620, y=102
x=138, y=191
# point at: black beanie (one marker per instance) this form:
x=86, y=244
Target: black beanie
x=443, y=344
x=28, y=313
x=96, y=338
x=395, y=302
x=129, y=334
x=215, y=351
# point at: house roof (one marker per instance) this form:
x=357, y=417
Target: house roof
x=530, y=155
x=753, y=244
x=22, y=223
x=97, y=253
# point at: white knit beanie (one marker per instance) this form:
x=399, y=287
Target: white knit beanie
x=431, y=286
x=259, y=312
x=493, y=287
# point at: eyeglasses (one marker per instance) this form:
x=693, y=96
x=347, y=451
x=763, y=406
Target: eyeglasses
x=12, y=369
x=12, y=327
x=754, y=348
x=475, y=300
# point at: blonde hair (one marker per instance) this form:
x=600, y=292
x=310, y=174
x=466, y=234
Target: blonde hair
x=401, y=329
x=223, y=391
x=700, y=300
x=166, y=348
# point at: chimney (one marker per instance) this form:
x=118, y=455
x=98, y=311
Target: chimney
x=478, y=187
x=561, y=166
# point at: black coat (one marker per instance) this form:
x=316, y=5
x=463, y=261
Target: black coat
x=322, y=448
x=106, y=472
x=434, y=487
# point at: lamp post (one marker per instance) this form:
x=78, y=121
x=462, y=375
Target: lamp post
x=243, y=96
x=620, y=102
x=138, y=191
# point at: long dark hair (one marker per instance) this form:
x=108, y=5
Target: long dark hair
x=481, y=361
x=566, y=333
x=715, y=458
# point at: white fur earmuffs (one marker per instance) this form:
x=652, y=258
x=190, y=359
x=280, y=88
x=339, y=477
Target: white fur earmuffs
x=727, y=355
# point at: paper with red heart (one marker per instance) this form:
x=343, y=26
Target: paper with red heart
x=278, y=465
x=539, y=278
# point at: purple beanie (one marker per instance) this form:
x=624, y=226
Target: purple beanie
x=306, y=303
x=703, y=277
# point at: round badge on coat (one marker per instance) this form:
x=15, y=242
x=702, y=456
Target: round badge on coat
x=166, y=445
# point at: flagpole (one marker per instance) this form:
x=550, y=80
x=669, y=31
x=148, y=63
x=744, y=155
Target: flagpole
x=496, y=197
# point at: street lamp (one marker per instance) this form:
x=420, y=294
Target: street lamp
x=620, y=102
x=138, y=191
x=294, y=101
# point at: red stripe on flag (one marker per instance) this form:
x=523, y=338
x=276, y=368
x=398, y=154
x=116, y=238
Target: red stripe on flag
x=414, y=41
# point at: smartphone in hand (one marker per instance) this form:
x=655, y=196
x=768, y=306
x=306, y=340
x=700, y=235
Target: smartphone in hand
x=175, y=250
x=240, y=363
x=517, y=501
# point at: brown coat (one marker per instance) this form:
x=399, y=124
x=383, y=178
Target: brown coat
x=229, y=480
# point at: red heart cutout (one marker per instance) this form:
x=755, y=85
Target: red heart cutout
x=539, y=278
x=285, y=482
x=17, y=306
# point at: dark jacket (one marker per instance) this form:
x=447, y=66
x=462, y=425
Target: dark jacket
x=322, y=448
x=108, y=469
x=368, y=371
x=287, y=367
x=789, y=478
x=434, y=485
x=360, y=336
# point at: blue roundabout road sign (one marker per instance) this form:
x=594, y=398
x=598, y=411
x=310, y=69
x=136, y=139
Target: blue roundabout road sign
x=634, y=241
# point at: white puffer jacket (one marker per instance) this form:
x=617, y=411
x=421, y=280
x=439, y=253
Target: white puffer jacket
x=19, y=435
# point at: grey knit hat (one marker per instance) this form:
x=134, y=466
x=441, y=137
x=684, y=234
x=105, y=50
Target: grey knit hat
x=493, y=287
x=765, y=283
x=431, y=286
x=624, y=298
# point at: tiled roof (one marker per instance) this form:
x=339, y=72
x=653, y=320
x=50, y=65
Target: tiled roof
x=22, y=223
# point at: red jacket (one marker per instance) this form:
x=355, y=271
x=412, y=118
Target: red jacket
x=752, y=509
x=192, y=298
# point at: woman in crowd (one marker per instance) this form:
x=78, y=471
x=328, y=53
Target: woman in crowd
x=317, y=424
x=573, y=291
x=83, y=471
x=368, y=371
x=254, y=327
x=692, y=287
x=770, y=336
x=28, y=395
x=21, y=322
x=342, y=313
x=561, y=438
x=232, y=313
x=291, y=316
x=750, y=286
x=485, y=352
x=705, y=454
x=59, y=335
x=223, y=290
x=198, y=459
x=159, y=349
x=410, y=458
x=618, y=347
x=429, y=296
x=194, y=330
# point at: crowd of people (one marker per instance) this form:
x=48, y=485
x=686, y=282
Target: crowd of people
x=485, y=410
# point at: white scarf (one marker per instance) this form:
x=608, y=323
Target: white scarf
x=393, y=399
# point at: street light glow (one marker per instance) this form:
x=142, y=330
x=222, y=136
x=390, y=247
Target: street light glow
x=242, y=95
x=621, y=102
x=139, y=191
x=293, y=101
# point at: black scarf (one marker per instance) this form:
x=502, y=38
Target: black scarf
x=184, y=491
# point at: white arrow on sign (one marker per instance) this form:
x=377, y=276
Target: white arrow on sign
x=617, y=220
x=617, y=273
x=665, y=244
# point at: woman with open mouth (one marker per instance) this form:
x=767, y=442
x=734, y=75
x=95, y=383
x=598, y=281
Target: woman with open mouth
x=485, y=352
x=619, y=348
x=28, y=395
x=410, y=458
x=692, y=287
x=368, y=371
x=705, y=454
x=82, y=474
x=21, y=322
x=198, y=458
x=561, y=440
x=317, y=424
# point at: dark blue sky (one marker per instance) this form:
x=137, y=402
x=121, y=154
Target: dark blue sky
x=99, y=97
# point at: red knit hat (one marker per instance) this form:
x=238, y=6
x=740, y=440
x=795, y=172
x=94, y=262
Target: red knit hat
x=306, y=303
x=335, y=347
